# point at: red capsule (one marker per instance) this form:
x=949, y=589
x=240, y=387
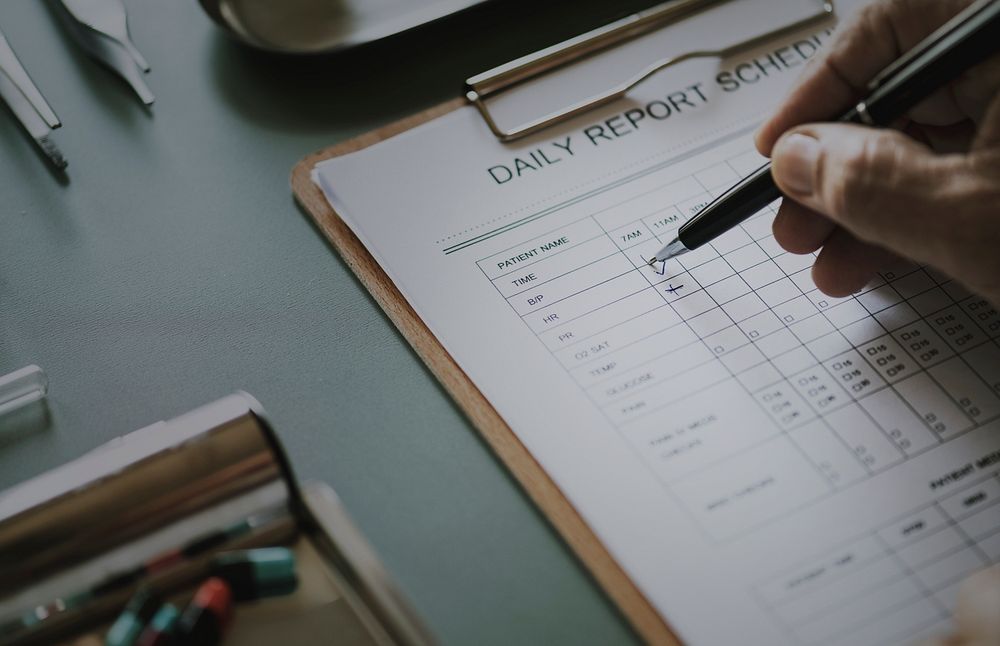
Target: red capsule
x=209, y=614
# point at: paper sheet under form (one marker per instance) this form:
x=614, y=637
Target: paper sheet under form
x=768, y=464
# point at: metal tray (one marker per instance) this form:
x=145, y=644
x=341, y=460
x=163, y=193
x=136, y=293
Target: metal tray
x=318, y=26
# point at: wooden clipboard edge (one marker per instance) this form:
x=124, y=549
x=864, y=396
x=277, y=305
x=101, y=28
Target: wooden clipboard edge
x=542, y=490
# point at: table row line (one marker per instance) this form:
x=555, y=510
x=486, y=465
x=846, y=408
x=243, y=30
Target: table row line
x=910, y=569
x=548, y=315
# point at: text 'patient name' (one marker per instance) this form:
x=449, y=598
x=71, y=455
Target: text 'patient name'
x=529, y=254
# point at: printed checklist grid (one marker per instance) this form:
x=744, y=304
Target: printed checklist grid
x=898, y=583
x=830, y=391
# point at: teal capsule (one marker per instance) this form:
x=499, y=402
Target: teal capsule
x=161, y=628
x=254, y=574
x=139, y=610
x=165, y=618
x=30, y=618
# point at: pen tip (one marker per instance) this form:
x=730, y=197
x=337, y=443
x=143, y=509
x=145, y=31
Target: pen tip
x=652, y=261
x=672, y=250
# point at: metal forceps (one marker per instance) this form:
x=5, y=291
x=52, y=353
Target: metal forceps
x=100, y=27
x=28, y=104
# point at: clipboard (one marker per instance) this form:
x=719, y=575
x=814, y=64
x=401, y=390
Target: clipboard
x=505, y=444
x=539, y=486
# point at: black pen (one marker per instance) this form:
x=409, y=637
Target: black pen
x=961, y=43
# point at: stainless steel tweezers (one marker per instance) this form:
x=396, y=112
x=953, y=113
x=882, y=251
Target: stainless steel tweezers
x=28, y=104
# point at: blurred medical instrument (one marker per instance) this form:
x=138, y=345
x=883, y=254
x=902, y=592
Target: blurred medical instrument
x=315, y=26
x=22, y=387
x=28, y=104
x=101, y=29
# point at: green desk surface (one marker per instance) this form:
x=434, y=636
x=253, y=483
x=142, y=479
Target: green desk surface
x=174, y=268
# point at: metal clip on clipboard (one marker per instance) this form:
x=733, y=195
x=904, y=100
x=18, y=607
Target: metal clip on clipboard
x=504, y=77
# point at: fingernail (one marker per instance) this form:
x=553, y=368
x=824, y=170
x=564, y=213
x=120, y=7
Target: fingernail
x=795, y=158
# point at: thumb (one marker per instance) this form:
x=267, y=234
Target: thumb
x=977, y=615
x=880, y=185
x=976, y=621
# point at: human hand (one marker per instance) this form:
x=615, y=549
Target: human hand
x=977, y=615
x=863, y=195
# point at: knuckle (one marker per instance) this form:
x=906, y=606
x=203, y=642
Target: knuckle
x=986, y=165
x=872, y=13
x=853, y=34
x=863, y=177
x=969, y=210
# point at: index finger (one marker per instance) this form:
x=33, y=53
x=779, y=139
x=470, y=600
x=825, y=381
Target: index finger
x=862, y=47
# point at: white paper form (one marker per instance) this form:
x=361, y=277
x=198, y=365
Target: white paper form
x=768, y=464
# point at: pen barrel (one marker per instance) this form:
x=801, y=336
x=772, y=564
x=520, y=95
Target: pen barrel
x=945, y=60
x=967, y=40
x=722, y=214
